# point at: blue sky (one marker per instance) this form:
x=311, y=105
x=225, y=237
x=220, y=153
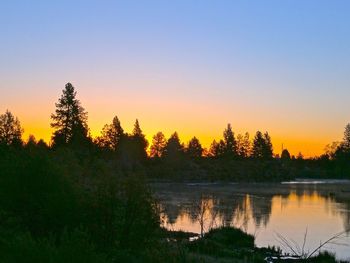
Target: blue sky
x=280, y=66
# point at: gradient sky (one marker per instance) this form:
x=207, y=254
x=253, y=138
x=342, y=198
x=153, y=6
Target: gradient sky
x=190, y=66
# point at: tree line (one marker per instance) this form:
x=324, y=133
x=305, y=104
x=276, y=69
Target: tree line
x=69, y=122
x=84, y=199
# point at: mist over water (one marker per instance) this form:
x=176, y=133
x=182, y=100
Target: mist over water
x=264, y=210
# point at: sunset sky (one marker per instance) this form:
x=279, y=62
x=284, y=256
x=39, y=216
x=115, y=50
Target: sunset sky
x=187, y=66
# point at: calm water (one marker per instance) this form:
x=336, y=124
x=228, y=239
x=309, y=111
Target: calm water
x=266, y=211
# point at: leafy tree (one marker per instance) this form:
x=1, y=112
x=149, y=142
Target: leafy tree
x=137, y=132
x=194, y=148
x=243, y=145
x=111, y=135
x=69, y=119
x=173, y=146
x=230, y=142
x=285, y=155
x=10, y=129
x=158, y=145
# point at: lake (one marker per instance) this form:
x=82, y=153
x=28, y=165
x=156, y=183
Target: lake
x=314, y=210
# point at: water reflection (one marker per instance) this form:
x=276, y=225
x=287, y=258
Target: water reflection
x=286, y=210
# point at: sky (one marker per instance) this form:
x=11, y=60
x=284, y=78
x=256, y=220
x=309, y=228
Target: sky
x=187, y=66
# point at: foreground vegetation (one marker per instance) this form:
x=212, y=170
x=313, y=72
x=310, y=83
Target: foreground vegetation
x=233, y=158
x=62, y=206
x=86, y=200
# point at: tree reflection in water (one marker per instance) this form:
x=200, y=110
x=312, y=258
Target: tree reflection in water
x=261, y=211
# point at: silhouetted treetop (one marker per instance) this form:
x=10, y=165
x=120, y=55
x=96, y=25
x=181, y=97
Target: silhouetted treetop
x=31, y=141
x=158, y=145
x=138, y=142
x=213, y=149
x=285, y=155
x=300, y=156
x=217, y=149
x=10, y=129
x=268, y=150
x=137, y=130
x=111, y=135
x=137, y=133
x=230, y=142
x=173, y=146
x=340, y=151
x=194, y=148
x=262, y=146
x=243, y=145
x=69, y=119
x=346, y=139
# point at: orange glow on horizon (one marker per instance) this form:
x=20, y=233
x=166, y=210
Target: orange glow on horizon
x=187, y=118
x=308, y=147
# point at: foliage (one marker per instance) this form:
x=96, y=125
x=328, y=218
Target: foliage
x=69, y=119
x=158, y=145
x=230, y=146
x=173, y=148
x=72, y=247
x=243, y=145
x=194, y=148
x=262, y=146
x=285, y=155
x=84, y=202
x=10, y=129
x=111, y=135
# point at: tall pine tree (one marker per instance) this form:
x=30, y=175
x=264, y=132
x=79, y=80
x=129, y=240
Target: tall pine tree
x=139, y=141
x=230, y=149
x=69, y=120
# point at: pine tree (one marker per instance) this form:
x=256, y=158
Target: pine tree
x=69, y=119
x=258, y=145
x=262, y=146
x=213, y=150
x=194, y=148
x=346, y=139
x=10, y=129
x=285, y=155
x=111, y=135
x=173, y=147
x=243, y=145
x=217, y=149
x=139, y=141
x=268, y=149
x=300, y=156
x=230, y=142
x=31, y=142
x=158, y=145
